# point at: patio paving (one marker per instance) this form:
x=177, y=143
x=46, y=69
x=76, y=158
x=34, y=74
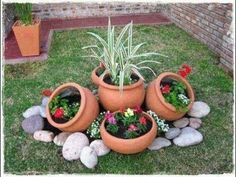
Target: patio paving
x=12, y=53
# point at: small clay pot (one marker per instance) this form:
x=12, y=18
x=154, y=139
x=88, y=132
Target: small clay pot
x=113, y=99
x=88, y=111
x=156, y=102
x=129, y=146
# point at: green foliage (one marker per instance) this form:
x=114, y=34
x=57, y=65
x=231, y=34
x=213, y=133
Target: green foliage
x=131, y=134
x=69, y=109
x=118, y=55
x=23, y=12
x=128, y=121
x=113, y=128
x=177, y=96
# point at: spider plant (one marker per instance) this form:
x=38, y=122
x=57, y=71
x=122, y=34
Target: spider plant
x=118, y=55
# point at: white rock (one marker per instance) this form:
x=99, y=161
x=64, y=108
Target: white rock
x=195, y=123
x=73, y=146
x=188, y=137
x=99, y=147
x=181, y=123
x=43, y=135
x=88, y=157
x=42, y=111
x=159, y=143
x=60, y=139
x=172, y=133
x=199, y=109
x=45, y=100
x=32, y=111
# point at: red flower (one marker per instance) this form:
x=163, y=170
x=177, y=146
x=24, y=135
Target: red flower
x=143, y=120
x=183, y=73
x=46, y=92
x=132, y=127
x=138, y=109
x=59, y=113
x=166, y=89
x=187, y=68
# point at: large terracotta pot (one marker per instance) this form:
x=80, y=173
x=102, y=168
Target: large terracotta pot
x=113, y=99
x=129, y=146
x=156, y=102
x=88, y=111
x=28, y=38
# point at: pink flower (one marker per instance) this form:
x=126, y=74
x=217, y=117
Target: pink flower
x=110, y=118
x=132, y=127
x=138, y=109
x=142, y=120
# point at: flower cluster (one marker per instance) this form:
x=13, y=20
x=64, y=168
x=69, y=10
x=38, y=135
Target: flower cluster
x=162, y=126
x=131, y=122
x=185, y=70
x=175, y=92
x=94, y=129
x=61, y=108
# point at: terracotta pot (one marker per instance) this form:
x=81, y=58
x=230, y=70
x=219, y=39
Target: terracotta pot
x=113, y=99
x=28, y=38
x=88, y=111
x=129, y=146
x=156, y=102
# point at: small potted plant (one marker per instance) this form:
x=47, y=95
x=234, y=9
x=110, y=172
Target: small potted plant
x=170, y=95
x=72, y=108
x=128, y=132
x=27, y=30
x=122, y=86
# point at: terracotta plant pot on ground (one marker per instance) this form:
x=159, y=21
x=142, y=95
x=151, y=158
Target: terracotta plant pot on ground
x=28, y=38
x=88, y=111
x=113, y=99
x=129, y=146
x=156, y=102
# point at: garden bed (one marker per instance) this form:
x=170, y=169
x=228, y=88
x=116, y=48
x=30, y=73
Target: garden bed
x=24, y=82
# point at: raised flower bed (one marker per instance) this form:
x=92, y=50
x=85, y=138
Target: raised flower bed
x=125, y=128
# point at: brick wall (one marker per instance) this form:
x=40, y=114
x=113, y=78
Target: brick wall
x=211, y=24
x=75, y=10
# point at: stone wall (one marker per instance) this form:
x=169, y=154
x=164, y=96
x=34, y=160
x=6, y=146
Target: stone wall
x=211, y=24
x=8, y=18
x=76, y=10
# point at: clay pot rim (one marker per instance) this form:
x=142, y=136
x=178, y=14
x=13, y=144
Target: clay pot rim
x=125, y=87
x=178, y=78
x=154, y=127
x=37, y=23
x=77, y=115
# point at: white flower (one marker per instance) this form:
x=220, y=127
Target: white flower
x=161, y=123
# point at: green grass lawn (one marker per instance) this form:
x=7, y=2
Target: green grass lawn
x=24, y=82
